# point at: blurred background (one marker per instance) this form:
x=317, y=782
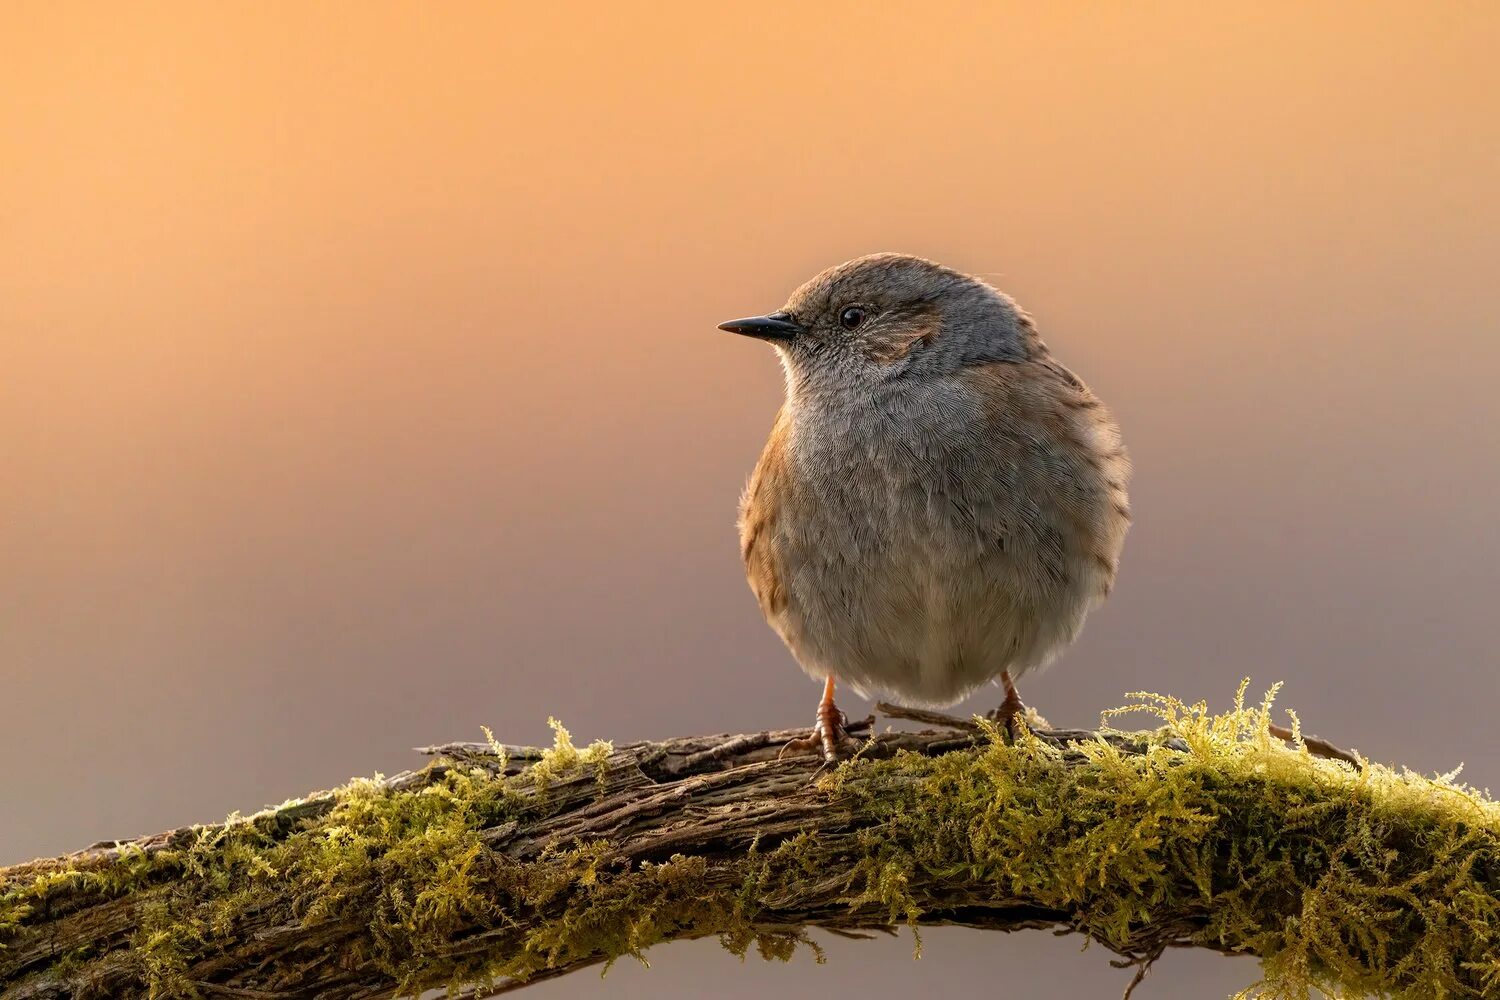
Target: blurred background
x=359, y=382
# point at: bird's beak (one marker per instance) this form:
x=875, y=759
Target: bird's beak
x=775, y=327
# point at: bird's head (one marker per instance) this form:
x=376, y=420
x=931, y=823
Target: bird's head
x=890, y=316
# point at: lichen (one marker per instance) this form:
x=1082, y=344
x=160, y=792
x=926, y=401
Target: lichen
x=1353, y=881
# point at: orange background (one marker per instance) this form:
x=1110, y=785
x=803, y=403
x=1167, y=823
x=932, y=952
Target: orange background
x=359, y=382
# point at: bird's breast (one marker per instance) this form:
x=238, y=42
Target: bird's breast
x=922, y=541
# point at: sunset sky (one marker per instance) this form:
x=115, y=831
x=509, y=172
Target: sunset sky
x=360, y=386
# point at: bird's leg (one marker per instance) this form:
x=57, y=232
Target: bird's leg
x=827, y=732
x=830, y=725
x=1011, y=709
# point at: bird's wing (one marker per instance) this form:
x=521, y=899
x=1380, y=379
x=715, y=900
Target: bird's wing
x=1055, y=448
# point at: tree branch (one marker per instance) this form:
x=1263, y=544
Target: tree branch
x=497, y=866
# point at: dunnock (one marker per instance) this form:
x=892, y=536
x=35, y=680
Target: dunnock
x=940, y=504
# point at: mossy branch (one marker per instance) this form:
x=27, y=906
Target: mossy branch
x=498, y=866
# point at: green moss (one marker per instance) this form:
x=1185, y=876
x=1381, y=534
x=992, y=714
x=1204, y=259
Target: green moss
x=563, y=758
x=1353, y=881
x=1238, y=828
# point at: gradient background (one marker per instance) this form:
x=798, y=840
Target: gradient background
x=359, y=382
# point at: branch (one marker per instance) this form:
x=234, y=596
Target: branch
x=498, y=866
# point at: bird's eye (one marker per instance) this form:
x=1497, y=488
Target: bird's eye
x=851, y=317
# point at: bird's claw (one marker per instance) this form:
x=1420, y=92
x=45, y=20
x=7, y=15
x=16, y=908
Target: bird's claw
x=823, y=739
x=1010, y=715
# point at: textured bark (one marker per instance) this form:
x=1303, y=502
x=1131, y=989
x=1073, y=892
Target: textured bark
x=710, y=797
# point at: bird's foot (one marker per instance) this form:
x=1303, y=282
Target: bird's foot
x=828, y=737
x=1010, y=715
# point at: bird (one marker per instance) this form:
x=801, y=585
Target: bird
x=940, y=504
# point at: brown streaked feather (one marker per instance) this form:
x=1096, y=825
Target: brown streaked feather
x=922, y=324
x=1045, y=404
x=760, y=508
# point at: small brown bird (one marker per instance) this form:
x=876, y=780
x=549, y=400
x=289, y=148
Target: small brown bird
x=941, y=503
